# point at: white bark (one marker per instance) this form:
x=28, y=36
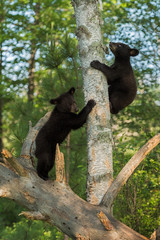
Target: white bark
x=100, y=168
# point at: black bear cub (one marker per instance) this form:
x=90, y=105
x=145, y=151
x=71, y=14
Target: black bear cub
x=63, y=118
x=120, y=76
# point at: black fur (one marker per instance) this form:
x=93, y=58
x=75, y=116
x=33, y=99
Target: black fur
x=120, y=76
x=60, y=123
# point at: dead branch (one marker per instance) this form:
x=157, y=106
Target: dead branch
x=127, y=171
x=28, y=145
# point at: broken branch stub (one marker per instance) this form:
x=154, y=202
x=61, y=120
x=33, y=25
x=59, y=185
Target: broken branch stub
x=60, y=166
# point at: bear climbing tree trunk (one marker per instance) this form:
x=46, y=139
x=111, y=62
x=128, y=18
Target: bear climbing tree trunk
x=100, y=170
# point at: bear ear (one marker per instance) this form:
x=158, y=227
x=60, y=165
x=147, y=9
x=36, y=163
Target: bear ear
x=54, y=101
x=134, y=52
x=72, y=91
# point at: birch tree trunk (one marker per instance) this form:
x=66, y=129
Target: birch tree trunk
x=100, y=170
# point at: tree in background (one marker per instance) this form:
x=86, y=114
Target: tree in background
x=3, y=37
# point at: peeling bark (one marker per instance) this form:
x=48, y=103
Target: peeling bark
x=100, y=169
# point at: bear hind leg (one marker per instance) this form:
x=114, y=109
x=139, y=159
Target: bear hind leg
x=45, y=163
x=118, y=101
x=43, y=166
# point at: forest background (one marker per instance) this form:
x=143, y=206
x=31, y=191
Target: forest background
x=39, y=60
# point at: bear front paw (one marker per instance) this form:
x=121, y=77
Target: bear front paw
x=91, y=103
x=95, y=64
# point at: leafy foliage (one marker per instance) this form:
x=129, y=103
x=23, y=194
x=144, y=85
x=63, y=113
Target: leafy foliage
x=26, y=229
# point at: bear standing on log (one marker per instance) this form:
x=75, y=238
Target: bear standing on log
x=62, y=120
x=120, y=76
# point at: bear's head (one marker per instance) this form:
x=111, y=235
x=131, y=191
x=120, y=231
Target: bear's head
x=65, y=102
x=122, y=51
